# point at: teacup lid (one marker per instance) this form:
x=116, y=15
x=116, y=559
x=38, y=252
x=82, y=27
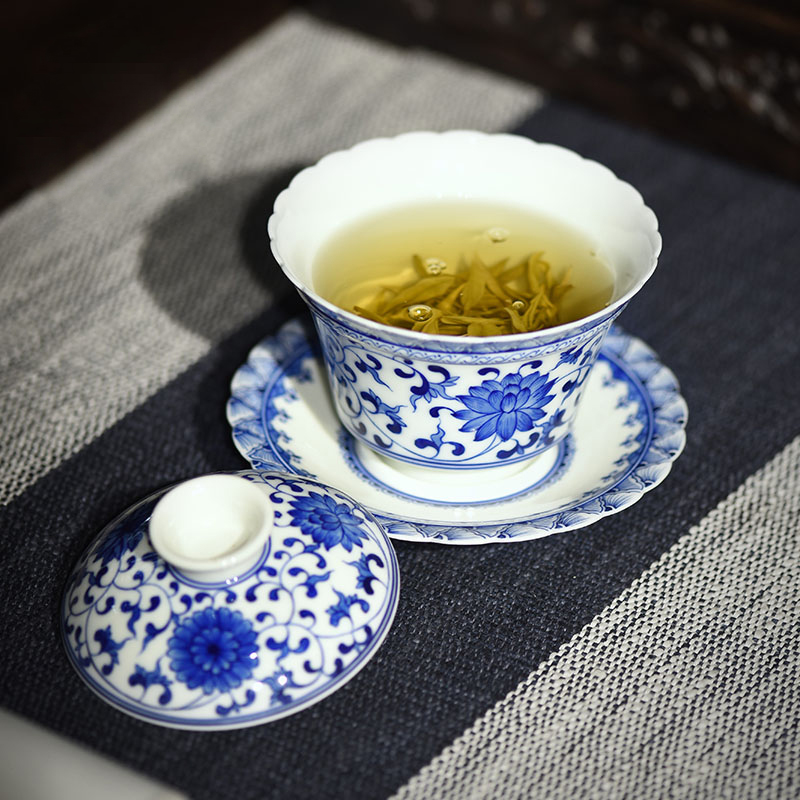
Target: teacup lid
x=230, y=600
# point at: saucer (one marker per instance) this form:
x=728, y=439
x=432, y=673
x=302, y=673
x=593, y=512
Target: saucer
x=629, y=428
x=211, y=651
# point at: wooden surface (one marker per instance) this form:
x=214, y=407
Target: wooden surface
x=77, y=71
x=722, y=74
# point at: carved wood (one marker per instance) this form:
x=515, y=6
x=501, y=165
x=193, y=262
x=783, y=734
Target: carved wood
x=721, y=73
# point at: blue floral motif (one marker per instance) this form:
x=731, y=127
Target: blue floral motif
x=236, y=706
x=109, y=646
x=378, y=386
x=279, y=682
x=370, y=364
x=327, y=522
x=205, y=653
x=571, y=355
x=124, y=537
x=504, y=407
x=214, y=649
x=147, y=678
x=426, y=390
x=379, y=407
x=437, y=440
x=341, y=609
x=651, y=392
x=365, y=576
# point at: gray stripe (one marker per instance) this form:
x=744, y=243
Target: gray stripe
x=127, y=269
x=686, y=686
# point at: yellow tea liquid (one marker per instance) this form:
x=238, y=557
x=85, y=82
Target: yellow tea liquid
x=463, y=268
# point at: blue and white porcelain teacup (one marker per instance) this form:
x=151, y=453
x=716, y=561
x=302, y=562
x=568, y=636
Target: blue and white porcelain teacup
x=435, y=402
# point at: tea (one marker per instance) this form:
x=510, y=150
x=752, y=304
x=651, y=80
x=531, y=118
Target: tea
x=463, y=269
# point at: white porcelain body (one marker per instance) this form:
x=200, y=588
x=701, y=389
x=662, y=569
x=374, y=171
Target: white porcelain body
x=468, y=402
x=629, y=429
x=275, y=591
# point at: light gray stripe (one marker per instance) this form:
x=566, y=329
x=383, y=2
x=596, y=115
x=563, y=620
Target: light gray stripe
x=685, y=687
x=125, y=271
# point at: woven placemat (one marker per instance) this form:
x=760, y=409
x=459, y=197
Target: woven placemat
x=652, y=654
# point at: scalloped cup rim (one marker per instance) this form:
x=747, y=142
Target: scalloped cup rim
x=417, y=338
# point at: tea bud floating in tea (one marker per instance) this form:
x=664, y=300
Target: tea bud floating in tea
x=463, y=269
x=497, y=234
x=435, y=266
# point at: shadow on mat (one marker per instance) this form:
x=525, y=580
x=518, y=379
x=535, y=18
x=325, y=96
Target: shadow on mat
x=207, y=261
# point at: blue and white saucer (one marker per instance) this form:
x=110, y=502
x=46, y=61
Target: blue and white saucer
x=629, y=429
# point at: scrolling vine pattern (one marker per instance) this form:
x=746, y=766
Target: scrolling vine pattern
x=163, y=646
x=423, y=412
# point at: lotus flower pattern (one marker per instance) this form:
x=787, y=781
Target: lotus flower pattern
x=327, y=522
x=214, y=649
x=506, y=406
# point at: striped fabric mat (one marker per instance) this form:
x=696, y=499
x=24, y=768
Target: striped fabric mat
x=654, y=654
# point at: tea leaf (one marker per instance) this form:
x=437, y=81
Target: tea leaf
x=518, y=322
x=537, y=271
x=561, y=288
x=369, y=314
x=475, y=285
x=378, y=303
x=447, y=303
x=497, y=269
x=496, y=288
x=419, y=266
x=464, y=319
x=476, y=300
x=492, y=329
x=513, y=273
x=430, y=325
x=423, y=291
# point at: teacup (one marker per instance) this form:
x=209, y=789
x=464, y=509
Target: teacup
x=431, y=402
